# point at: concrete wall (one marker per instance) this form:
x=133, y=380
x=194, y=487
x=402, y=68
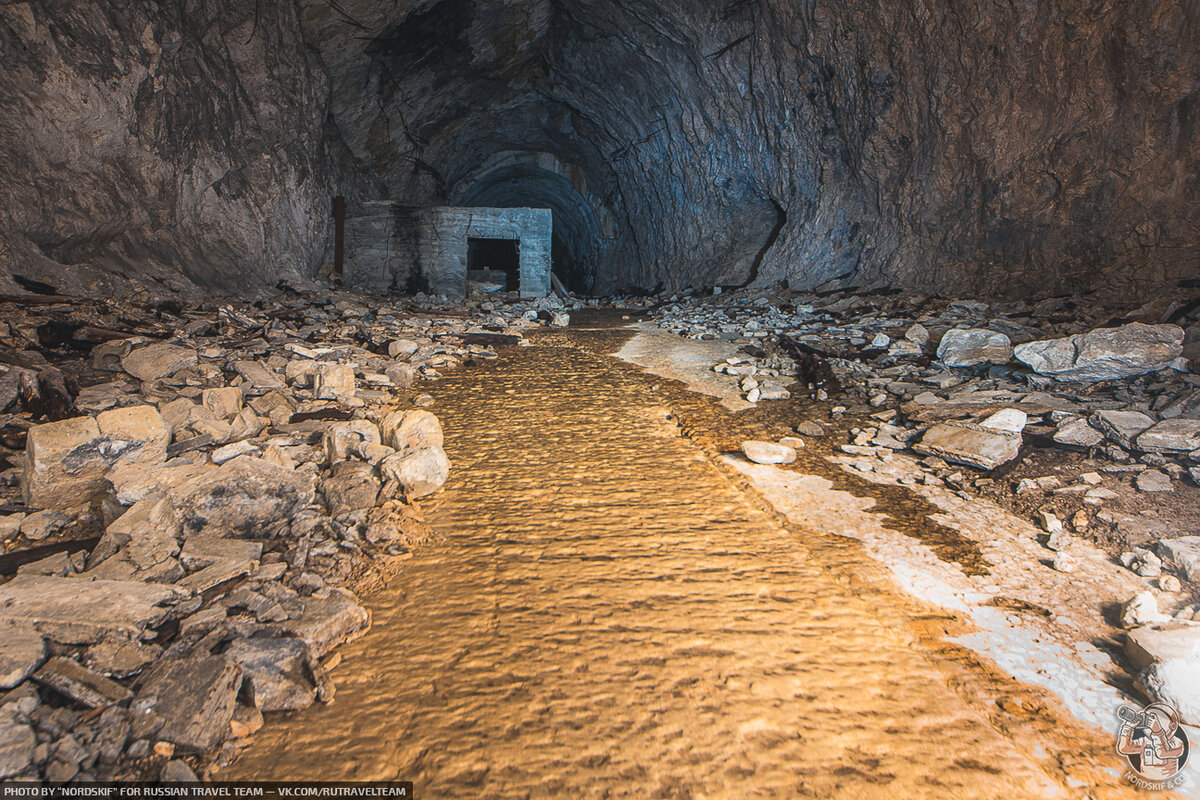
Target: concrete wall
x=405, y=249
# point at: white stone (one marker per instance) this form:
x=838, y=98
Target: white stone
x=768, y=452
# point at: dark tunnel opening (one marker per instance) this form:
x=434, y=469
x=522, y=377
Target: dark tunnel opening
x=576, y=241
x=485, y=257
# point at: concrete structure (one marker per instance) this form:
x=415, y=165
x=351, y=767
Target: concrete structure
x=409, y=249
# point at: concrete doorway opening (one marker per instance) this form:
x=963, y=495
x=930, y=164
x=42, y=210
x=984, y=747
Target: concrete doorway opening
x=494, y=263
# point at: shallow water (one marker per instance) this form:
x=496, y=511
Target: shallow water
x=610, y=615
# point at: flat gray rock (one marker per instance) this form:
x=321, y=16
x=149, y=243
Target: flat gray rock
x=328, y=622
x=1170, y=436
x=1105, y=353
x=1078, y=433
x=1153, y=481
x=1121, y=427
x=258, y=376
x=158, y=361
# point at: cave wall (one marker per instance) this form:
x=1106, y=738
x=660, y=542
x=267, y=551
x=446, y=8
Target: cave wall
x=1006, y=147
x=1003, y=147
x=177, y=146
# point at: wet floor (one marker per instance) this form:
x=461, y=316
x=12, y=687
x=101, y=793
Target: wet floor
x=610, y=615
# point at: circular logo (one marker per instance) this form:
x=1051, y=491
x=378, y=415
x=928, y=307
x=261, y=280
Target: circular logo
x=1153, y=742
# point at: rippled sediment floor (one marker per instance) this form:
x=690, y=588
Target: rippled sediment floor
x=612, y=616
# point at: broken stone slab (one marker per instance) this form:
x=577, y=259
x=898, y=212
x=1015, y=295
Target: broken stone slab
x=258, y=376
x=1170, y=436
x=133, y=483
x=21, y=652
x=415, y=473
x=18, y=743
x=79, y=611
x=333, y=381
x=1078, y=433
x=768, y=452
x=411, y=430
x=85, y=687
x=120, y=659
x=158, y=361
x=225, y=569
x=276, y=672
x=1166, y=654
x=972, y=347
x=66, y=461
x=1105, y=353
x=1162, y=641
x=224, y=402
x=328, y=622
x=1121, y=427
x=146, y=538
x=1006, y=420
x=973, y=445
x=1184, y=552
x=201, y=550
x=42, y=524
x=195, y=697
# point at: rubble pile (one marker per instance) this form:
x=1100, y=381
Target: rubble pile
x=190, y=498
x=972, y=390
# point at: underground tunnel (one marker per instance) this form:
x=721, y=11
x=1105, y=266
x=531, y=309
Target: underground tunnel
x=573, y=398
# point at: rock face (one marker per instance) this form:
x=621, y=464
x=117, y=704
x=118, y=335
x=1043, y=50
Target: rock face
x=1105, y=354
x=186, y=147
x=850, y=141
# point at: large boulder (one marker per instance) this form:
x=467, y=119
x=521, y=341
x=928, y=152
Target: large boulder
x=973, y=445
x=158, y=361
x=276, y=672
x=1105, y=353
x=66, y=461
x=243, y=497
x=974, y=346
x=411, y=430
x=1164, y=657
x=415, y=473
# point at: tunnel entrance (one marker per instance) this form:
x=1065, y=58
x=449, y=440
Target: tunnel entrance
x=494, y=261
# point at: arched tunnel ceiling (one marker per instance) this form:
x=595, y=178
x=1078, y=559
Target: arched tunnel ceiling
x=1000, y=147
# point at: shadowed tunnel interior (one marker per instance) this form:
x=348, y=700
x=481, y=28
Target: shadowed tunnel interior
x=998, y=149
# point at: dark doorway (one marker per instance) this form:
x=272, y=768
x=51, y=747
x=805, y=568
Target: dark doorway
x=495, y=256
